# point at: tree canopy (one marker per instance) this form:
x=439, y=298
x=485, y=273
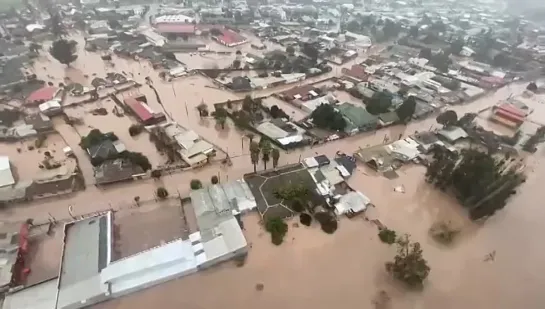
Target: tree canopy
x=64, y=51
x=425, y=53
x=457, y=46
x=406, y=110
x=447, y=118
x=481, y=183
x=409, y=264
x=326, y=117
x=532, y=87
x=379, y=103
x=278, y=229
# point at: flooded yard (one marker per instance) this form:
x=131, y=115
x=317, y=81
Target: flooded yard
x=26, y=158
x=292, y=111
x=119, y=125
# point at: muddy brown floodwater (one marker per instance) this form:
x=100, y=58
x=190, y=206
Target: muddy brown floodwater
x=344, y=270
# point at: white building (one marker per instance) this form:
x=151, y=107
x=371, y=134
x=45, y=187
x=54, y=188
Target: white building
x=90, y=273
x=154, y=38
x=6, y=176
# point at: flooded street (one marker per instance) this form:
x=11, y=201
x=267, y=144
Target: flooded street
x=312, y=269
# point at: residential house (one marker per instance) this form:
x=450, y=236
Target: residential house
x=358, y=119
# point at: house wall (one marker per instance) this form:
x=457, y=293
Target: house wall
x=223, y=258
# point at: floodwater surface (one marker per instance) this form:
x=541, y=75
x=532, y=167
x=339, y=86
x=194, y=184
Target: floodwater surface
x=346, y=269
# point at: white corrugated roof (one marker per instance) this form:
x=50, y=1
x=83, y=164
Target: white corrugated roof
x=6, y=177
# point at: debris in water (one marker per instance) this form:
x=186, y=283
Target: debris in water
x=259, y=287
x=400, y=189
x=490, y=257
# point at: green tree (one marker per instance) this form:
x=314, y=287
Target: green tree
x=409, y=265
x=447, y=118
x=214, y=180
x=220, y=114
x=387, y=236
x=425, y=53
x=328, y=222
x=413, y=31
x=254, y=154
x=278, y=229
x=135, y=129
x=64, y=51
x=457, y=46
x=406, y=110
x=35, y=47
x=156, y=174
x=379, y=103
x=55, y=22
x=305, y=219
x=275, y=157
x=266, y=149
x=290, y=50
x=326, y=117
x=195, y=184
x=532, y=87
x=441, y=61
x=137, y=158
x=161, y=193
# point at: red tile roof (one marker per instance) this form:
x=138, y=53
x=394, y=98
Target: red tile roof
x=42, y=95
x=138, y=108
x=230, y=37
x=509, y=116
x=356, y=71
x=513, y=110
x=175, y=28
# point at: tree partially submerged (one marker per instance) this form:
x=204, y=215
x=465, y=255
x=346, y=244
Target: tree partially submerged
x=64, y=51
x=447, y=118
x=195, y=184
x=406, y=110
x=443, y=232
x=409, y=265
x=278, y=229
x=379, y=103
x=161, y=193
x=275, y=157
x=305, y=219
x=481, y=184
x=531, y=143
x=532, y=87
x=387, y=236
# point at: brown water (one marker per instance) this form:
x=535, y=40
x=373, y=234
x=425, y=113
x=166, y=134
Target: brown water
x=314, y=270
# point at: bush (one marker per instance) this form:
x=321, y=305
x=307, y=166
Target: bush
x=278, y=229
x=330, y=226
x=195, y=184
x=305, y=219
x=387, y=236
x=135, y=129
x=409, y=265
x=162, y=193
x=156, y=174
x=443, y=232
x=137, y=158
x=297, y=206
x=214, y=180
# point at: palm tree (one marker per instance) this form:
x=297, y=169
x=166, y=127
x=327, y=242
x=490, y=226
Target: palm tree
x=221, y=117
x=221, y=121
x=254, y=154
x=266, y=149
x=275, y=157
